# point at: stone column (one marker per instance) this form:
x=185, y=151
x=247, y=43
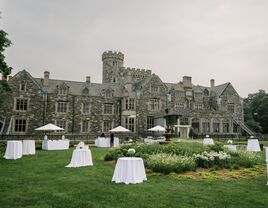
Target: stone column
x=200, y=126
x=231, y=127
x=221, y=126
x=211, y=126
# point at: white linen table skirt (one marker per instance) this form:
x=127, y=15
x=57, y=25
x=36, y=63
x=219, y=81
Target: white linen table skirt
x=80, y=158
x=28, y=147
x=253, y=145
x=208, y=141
x=55, y=144
x=13, y=150
x=106, y=142
x=129, y=170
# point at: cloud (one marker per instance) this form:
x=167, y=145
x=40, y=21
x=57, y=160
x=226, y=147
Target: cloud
x=225, y=40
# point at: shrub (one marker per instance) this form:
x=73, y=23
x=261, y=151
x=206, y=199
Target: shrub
x=245, y=159
x=167, y=163
x=114, y=154
x=217, y=147
x=213, y=159
x=184, y=148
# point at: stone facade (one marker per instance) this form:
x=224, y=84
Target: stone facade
x=133, y=98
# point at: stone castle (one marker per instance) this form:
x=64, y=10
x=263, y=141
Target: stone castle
x=134, y=98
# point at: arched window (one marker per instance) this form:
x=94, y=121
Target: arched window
x=85, y=91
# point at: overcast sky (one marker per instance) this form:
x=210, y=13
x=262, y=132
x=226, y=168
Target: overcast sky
x=222, y=39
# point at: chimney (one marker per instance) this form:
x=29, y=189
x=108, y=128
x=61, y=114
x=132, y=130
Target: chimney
x=212, y=83
x=88, y=79
x=187, y=81
x=46, y=78
x=212, y=87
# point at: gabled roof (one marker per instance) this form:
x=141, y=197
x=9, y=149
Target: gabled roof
x=29, y=75
x=220, y=88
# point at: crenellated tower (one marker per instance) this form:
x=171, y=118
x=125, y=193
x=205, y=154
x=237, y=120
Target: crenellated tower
x=112, y=62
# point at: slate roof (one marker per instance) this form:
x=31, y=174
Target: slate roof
x=75, y=88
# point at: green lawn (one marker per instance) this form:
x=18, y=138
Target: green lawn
x=43, y=181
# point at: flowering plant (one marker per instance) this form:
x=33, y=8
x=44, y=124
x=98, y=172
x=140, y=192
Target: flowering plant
x=230, y=141
x=207, y=160
x=131, y=151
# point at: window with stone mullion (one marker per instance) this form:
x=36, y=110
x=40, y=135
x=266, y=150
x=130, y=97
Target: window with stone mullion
x=21, y=104
x=20, y=125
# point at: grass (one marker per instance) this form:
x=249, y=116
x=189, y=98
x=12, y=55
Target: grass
x=43, y=181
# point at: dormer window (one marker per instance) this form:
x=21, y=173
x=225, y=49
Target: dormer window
x=85, y=91
x=22, y=86
x=62, y=91
x=206, y=92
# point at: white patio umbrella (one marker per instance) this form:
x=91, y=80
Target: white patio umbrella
x=49, y=127
x=119, y=129
x=157, y=129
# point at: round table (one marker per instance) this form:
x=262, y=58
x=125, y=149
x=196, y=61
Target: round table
x=80, y=158
x=13, y=150
x=129, y=170
x=28, y=147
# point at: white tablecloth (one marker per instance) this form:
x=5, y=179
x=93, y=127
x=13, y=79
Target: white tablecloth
x=253, y=145
x=208, y=141
x=55, y=144
x=129, y=170
x=106, y=142
x=81, y=157
x=13, y=150
x=230, y=147
x=28, y=147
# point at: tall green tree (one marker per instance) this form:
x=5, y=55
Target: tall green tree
x=4, y=43
x=256, y=111
x=5, y=70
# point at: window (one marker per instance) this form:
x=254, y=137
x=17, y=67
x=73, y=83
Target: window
x=108, y=94
x=85, y=126
x=62, y=124
x=206, y=92
x=179, y=105
x=198, y=95
x=21, y=104
x=22, y=86
x=155, y=104
x=20, y=125
x=179, y=94
x=154, y=89
x=205, y=125
x=130, y=123
x=86, y=108
x=85, y=91
x=130, y=103
x=231, y=108
x=108, y=108
x=198, y=106
x=62, y=91
x=62, y=107
x=216, y=126
x=225, y=126
x=150, y=122
x=107, y=126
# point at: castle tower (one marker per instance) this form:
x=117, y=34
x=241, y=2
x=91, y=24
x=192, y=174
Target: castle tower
x=112, y=61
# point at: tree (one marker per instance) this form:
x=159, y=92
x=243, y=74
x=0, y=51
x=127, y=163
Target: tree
x=5, y=70
x=256, y=111
x=4, y=43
